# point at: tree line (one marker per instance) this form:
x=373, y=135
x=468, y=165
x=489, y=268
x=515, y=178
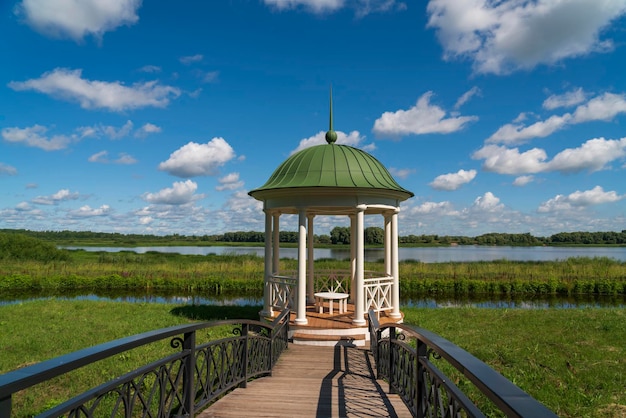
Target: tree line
x=338, y=235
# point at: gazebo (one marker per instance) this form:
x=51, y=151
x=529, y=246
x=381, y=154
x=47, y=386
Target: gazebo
x=331, y=179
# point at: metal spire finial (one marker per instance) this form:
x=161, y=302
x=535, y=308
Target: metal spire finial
x=331, y=135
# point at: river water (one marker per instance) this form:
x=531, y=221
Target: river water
x=423, y=254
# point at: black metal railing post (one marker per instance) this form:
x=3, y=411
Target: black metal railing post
x=5, y=406
x=420, y=385
x=246, y=347
x=391, y=359
x=189, y=387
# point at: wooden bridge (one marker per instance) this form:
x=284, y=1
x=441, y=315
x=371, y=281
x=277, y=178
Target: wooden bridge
x=312, y=381
x=259, y=372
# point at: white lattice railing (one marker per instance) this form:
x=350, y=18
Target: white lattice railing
x=283, y=290
x=378, y=293
x=377, y=288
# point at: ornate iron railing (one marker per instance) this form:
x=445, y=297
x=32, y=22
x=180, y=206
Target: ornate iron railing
x=405, y=357
x=175, y=386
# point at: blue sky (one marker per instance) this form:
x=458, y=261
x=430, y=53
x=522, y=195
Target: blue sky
x=158, y=117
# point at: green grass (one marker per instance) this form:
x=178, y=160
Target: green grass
x=572, y=360
x=39, y=330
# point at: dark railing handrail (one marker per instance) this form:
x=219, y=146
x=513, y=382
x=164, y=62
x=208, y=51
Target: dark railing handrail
x=20, y=379
x=512, y=400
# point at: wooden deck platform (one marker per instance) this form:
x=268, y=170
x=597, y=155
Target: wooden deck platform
x=310, y=381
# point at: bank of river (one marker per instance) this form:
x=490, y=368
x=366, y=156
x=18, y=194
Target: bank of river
x=461, y=253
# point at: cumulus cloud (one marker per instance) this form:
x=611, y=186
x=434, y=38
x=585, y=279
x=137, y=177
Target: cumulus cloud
x=69, y=85
x=593, y=155
x=423, y=118
x=150, y=69
x=431, y=208
x=502, y=160
x=76, y=19
x=487, y=203
x=453, y=181
x=570, y=98
x=54, y=199
x=579, y=200
x=181, y=192
x=195, y=159
x=118, y=133
x=353, y=139
x=600, y=108
x=505, y=36
x=35, y=136
x=88, y=212
x=229, y=182
x=7, y=169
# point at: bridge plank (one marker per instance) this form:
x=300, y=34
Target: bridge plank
x=313, y=381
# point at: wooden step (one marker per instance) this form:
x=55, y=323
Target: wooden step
x=329, y=340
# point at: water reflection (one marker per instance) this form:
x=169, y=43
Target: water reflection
x=479, y=301
x=461, y=253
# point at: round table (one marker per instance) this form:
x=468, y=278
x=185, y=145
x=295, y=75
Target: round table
x=331, y=297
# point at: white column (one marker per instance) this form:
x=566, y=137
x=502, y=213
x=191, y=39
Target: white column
x=395, y=268
x=352, y=257
x=301, y=309
x=310, y=284
x=387, y=244
x=360, y=265
x=267, y=296
x=276, y=242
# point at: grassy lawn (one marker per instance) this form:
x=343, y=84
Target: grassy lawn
x=572, y=360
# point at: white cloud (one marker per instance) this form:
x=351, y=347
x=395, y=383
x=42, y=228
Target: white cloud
x=423, y=118
x=99, y=157
x=593, y=155
x=88, y=212
x=474, y=91
x=147, y=129
x=453, y=181
x=195, y=159
x=431, y=208
x=571, y=98
x=125, y=159
x=362, y=7
x=316, y=6
x=504, y=160
x=181, y=192
x=229, y=182
x=209, y=76
x=401, y=173
x=512, y=134
x=604, y=107
x=579, y=200
x=150, y=69
x=76, y=19
x=7, y=169
x=487, y=203
x=523, y=180
x=504, y=36
x=93, y=94
x=62, y=195
x=117, y=133
x=190, y=59
x=353, y=139
x=34, y=136
x=103, y=158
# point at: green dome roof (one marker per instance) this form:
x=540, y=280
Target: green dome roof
x=332, y=165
